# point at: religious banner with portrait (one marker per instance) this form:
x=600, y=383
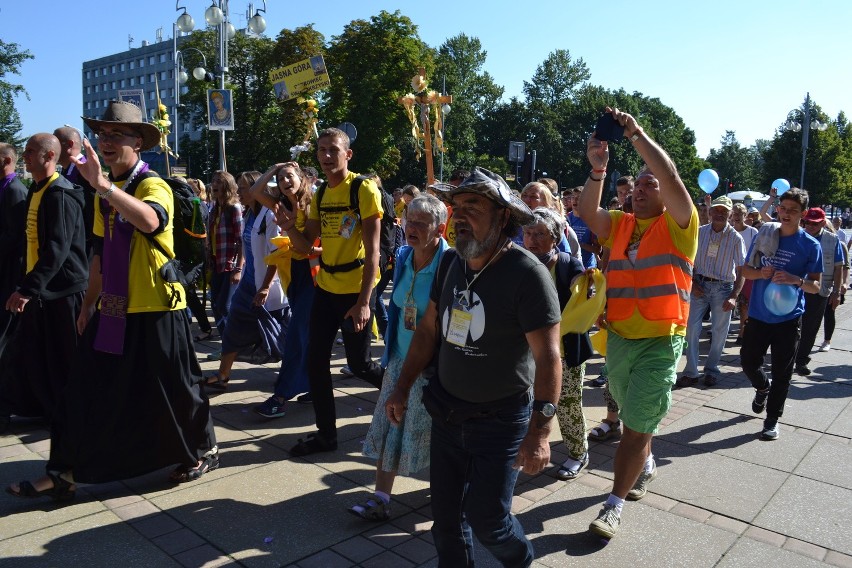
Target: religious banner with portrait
x=220, y=105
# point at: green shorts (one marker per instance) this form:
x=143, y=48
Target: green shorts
x=642, y=373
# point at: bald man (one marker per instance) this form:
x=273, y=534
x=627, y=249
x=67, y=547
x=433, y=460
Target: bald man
x=72, y=147
x=13, y=215
x=50, y=293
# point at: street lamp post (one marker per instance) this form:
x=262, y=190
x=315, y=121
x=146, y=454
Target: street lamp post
x=217, y=15
x=805, y=126
x=181, y=78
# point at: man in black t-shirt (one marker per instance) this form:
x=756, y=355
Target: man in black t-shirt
x=493, y=322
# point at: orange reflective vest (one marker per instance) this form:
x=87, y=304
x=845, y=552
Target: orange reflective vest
x=658, y=283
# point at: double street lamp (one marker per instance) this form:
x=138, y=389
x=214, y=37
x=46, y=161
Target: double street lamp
x=216, y=15
x=805, y=127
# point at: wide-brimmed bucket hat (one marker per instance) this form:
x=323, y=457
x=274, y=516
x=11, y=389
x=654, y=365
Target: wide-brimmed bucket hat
x=127, y=114
x=495, y=188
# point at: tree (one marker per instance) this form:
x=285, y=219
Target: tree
x=371, y=65
x=557, y=78
x=11, y=58
x=735, y=163
x=264, y=128
x=828, y=171
x=10, y=121
x=460, y=60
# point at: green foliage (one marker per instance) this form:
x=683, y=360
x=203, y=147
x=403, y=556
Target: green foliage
x=371, y=65
x=828, y=158
x=11, y=58
x=460, y=60
x=10, y=121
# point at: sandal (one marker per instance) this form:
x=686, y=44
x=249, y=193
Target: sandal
x=184, y=473
x=371, y=510
x=204, y=335
x=61, y=490
x=606, y=430
x=572, y=467
x=216, y=381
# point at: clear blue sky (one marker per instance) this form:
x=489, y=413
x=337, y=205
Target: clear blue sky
x=737, y=65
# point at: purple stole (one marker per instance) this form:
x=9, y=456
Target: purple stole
x=5, y=183
x=115, y=271
x=73, y=173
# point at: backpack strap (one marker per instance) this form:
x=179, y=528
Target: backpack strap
x=353, y=196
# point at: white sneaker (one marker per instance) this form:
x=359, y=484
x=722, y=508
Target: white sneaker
x=826, y=346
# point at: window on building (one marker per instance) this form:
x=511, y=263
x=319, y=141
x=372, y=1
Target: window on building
x=163, y=93
x=97, y=72
x=121, y=66
x=88, y=90
x=104, y=71
x=132, y=81
x=152, y=95
x=151, y=60
x=112, y=85
x=133, y=65
x=172, y=93
x=97, y=88
x=88, y=105
x=88, y=74
x=98, y=104
x=162, y=58
x=142, y=63
x=123, y=82
x=112, y=69
x=141, y=79
x=151, y=77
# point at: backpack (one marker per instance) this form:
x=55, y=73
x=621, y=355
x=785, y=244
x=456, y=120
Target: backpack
x=189, y=222
x=390, y=234
x=189, y=233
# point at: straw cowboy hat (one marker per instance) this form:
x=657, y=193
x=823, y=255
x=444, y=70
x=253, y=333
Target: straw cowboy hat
x=495, y=188
x=125, y=113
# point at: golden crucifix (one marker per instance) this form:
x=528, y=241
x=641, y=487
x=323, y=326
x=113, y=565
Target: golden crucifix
x=425, y=99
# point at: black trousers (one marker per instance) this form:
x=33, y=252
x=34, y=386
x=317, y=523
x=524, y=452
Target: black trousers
x=39, y=355
x=811, y=320
x=758, y=337
x=326, y=318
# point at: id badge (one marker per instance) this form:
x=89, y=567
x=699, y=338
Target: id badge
x=459, y=327
x=713, y=250
x=409, y=317
x=347, y=225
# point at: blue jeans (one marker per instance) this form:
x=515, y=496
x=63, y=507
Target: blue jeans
x=472, y=481
x=715, y=294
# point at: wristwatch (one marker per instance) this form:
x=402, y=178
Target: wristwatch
x=547, y=408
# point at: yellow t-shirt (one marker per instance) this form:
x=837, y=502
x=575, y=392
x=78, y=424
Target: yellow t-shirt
x=336, y=249
x=685, y=241
x=32, y=224
x=146, y=290
x=301, y=218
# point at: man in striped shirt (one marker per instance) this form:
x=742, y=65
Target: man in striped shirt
x=716, y=283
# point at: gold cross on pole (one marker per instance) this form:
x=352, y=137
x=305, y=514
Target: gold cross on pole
x=426, y=99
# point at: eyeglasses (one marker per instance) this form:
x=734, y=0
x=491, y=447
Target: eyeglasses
x=115, y=136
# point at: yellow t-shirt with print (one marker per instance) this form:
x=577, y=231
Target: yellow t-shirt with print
x=685, y=241
x=32, y=224
x=336, y=249
x=147, y=292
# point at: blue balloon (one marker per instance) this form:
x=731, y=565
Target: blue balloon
x=780, y=299
x=781, y=185
x=708, y=180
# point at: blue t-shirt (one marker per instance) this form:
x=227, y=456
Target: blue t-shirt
x=418, y=285
x=798, y=254
x=586, y=237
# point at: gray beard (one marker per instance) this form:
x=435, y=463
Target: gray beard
x=469, y=248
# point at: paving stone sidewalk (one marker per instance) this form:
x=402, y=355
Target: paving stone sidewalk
x=722, y=496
